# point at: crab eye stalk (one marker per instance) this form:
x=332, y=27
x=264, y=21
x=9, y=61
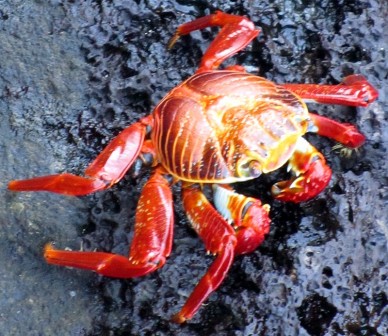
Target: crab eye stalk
x=251, y=168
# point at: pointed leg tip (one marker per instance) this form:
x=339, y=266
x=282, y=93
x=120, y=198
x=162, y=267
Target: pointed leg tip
x=178, y=318
x=49, y=246
x=48, y=250
x=173, y=40
x=13, y=185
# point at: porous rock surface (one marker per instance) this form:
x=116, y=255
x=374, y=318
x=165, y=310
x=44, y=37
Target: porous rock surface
x=74, y=73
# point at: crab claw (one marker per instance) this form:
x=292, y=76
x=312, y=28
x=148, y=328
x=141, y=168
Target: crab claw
x=311, y=173
x=248, y=216
x=254, y=226
x=306, y=186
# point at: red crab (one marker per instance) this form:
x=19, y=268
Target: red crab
x=217, y=127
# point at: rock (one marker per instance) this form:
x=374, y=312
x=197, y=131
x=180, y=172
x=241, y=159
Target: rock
x=74, y=74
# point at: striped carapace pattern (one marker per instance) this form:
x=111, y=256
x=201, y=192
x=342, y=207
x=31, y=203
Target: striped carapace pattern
x=215, y=124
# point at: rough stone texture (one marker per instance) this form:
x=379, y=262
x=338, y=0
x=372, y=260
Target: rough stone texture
x=73, y=74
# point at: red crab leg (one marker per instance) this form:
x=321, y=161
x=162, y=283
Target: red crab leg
x=220, y=239
x=236, y=33
x=346, y=134
x=354, y=90
x=151, y=242
x=107, y=169
x=311, y=175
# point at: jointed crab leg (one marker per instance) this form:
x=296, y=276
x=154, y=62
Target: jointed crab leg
x=354, y=90
x=151, y=243
x=220, y=238
x=236, y=33
x=107, y=169
x=345, y=134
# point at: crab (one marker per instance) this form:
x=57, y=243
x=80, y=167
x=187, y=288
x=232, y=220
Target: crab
x=216, y=128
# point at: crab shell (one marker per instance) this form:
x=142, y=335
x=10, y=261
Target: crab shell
x=227, y=126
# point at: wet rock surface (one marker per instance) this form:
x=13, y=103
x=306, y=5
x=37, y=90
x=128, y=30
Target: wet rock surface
x=73, y=74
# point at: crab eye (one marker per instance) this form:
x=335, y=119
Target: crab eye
x=250, y=168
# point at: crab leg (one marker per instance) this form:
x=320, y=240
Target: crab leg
x=107, y=169
x=354, y=90
x=220, y=238
x=236, y=33
x=346, y=134
x=151, y=242
x=312, y=175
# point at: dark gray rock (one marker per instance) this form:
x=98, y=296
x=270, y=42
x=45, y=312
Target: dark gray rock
x=73, y=74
